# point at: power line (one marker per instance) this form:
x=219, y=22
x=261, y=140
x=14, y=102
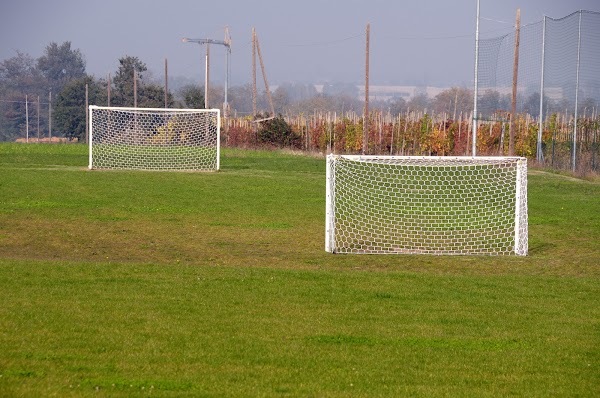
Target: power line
x=432, y=37
x=495, y=20
x=323, y=43
x=22, y=102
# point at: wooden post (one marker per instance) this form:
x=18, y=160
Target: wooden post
x=134, y=88
x=502, y=133
x=366, y=115
x=50, y=115
x=264, y=74
x=459, y=125
x=379, y=126
x=27, y=118
x=254, y=91
x=166, y=85
x=470, y=124
x=38, y=118
x=86, y=113
x=455, y=103
x=206, y=76
x=392, y=136
x=513, y=108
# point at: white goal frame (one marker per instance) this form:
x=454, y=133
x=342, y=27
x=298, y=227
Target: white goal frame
x=154, y=138
x=438, y=205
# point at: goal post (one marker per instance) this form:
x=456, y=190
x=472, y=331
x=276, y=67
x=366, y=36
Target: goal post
x=154, y=138
x=426, y=205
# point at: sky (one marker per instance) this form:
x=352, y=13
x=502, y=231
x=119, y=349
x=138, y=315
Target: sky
x=412, y=42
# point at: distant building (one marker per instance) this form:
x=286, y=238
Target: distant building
x=386, y=93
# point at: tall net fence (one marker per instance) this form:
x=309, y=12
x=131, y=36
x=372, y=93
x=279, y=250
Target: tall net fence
x=558, y=87
x=495, y=74
x=25, y=119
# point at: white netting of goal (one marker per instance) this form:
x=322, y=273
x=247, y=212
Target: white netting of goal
x=154, y=139
x=426, y=205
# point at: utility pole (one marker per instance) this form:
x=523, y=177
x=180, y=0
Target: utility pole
x=476, y=88
x=513, y=108
x=539, y=152
x=166, y=85
x=38, y=118
x=27, y=117
x=207, y=77
x=50, y=115
x=254, y=93
x=87, y=101
x=574, y=153
x=227, y=44
x=366, y=115
x=134, y=88
x=264, y=74
x=256, y=50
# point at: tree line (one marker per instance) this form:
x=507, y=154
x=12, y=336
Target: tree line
x=59, y=77
x=56, y=83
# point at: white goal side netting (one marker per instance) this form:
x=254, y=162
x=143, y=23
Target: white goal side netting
x=426, y=205
x=154, y=139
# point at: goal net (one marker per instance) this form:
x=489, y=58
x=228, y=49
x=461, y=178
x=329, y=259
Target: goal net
x=154, y=138
x=426, y=205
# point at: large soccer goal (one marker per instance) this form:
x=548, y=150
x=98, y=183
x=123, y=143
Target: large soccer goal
x=426, y=205
x=154, y=138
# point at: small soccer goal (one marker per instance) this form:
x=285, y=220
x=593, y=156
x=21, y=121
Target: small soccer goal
x=154, y=139
x=426, y=205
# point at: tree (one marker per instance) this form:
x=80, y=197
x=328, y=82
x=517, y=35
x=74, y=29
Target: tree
x=240, y=98
x=532, y=104
x=153, y=96
x=61, y=64
x=420, y=102
x=70, y=106
x=281, y=99
x=398, y=105
x=19, y=77
x=123, y=80
x=492, y=102
x=20, y=74
x=193, y=96
x=149, y=94
x=453, y=101
x=12, y=117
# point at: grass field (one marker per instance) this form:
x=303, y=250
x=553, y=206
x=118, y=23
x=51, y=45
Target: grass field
x=122, y=283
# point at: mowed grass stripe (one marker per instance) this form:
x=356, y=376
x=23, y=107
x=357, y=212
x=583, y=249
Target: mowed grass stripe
x=250, y=331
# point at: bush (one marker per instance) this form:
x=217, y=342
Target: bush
x=278, y=132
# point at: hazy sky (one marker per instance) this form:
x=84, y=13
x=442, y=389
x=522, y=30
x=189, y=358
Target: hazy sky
x=427, y=42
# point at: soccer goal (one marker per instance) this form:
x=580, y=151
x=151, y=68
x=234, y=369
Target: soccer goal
x=154, y=138
x=426, y=205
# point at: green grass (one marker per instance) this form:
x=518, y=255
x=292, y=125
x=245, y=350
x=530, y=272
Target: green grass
x=160, y=157
x=125, y=283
